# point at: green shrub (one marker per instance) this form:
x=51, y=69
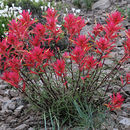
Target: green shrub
x=128, y=13
x=83, y=3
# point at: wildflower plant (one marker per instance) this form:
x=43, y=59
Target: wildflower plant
x=56, y=80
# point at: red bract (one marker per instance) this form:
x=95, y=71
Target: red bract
x=51, y=13
x=39, y=30
x=104, y=46
x=29, y=59
x=78, y=55
x=128, y=33
x=14, y=26
x=35, y=41
x=90, y=62
x=115, y=17
x=82, y=41
x=116, y=102
x=128, y=78
x=14, y=64
x=37, y=54
x=3, y=47
x=12, y=78
x=26, y=19
x=14, y=42
x=127, y=48
x=80, y=23
x=18, y=30
x=111, y=30
x=51, y=22
x=73, y=24
x=48, y=54
x=59, y=67
x=97, y=29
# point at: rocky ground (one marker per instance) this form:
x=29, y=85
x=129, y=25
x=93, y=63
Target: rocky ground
x=14, y=112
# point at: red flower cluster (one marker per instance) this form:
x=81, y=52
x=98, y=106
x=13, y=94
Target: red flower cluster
x=116, y=102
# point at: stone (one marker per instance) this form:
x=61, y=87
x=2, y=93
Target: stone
x=18, y=110
x=4, y=127
x=11, y=105
x=13, y=93
x=101, y=4
x=0, y=105
x=9, y=118
x=86, y=29
x=125, y=121
x=83, y=5
x=2, y=92
x=21, y=127
x=115, y=128
x=108, y=62
x=3, y=87
x=128, y=1
x=31, y=128
x=126, y=107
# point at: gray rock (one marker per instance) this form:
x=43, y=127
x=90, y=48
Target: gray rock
x=108, y=62
x=13, y=93
x=18, y=110
x=86, y=29
x=128, y=1
x=126, y=107
x=2, y=92
x=11, y=105
x=115, y=128
x=101, y=4
x=0, y=105
x=31, y=128
x=83, y=5
x=4, y=127
x=21, y=127
x=125, y=121
x=3, y=87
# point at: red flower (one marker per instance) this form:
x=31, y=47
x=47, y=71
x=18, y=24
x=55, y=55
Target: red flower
x=14, y=26
x=51, y=13
x=3, y=46
x=111, y=30
x=15, y=64
x=115, y=17
x=29, y=59
x=97, y=29
x=104, y=46
x=90, y=62
x=82, y=41
x=73, y=24
x=128, y=33
x=128, y=78
x=37, y=53
x=78, y=55
x=48, y=54
x=59, y=67
x=116, y=101
x=39, y=30
x=26, y=19
x=127, y=47
x=12, y=78
x=17, y=29
x=35, y=41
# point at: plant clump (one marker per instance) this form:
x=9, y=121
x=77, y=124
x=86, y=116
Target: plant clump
x=67, y=84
